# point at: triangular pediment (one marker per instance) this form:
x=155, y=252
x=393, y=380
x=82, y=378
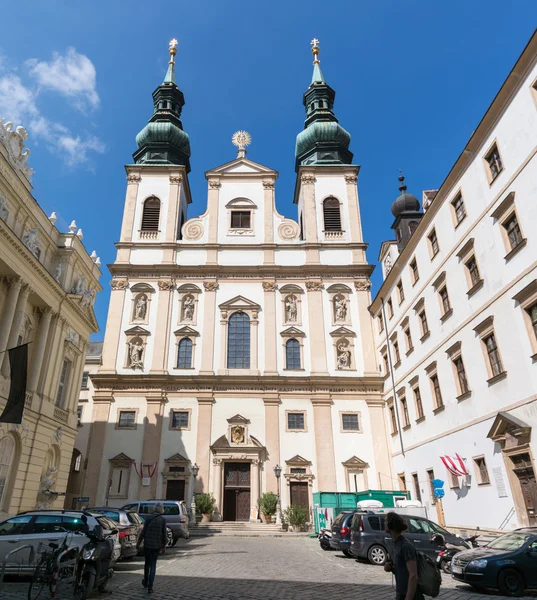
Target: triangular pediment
x=239, y=302
x=121, y=458
x=240, y=165
x=137, y=330
x=292, y=332
x=356, y=462
x=506, y=423
x=298, y=460
x=186, y=330
x=176, y=458
x=238, y=419
x=342, y=332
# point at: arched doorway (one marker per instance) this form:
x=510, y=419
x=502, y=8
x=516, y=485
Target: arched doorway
x=74, y=483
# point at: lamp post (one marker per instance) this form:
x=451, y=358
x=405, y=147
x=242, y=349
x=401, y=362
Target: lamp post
x=194, y=469
x=278, y=473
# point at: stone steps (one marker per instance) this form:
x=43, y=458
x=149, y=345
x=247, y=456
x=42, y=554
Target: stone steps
x=238, y=529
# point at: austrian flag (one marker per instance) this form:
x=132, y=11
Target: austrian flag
x=455, y=465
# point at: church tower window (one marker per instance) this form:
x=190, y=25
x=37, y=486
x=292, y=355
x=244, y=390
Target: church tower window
x=184, y=355
x=238, y=350
x=332, y=215
x=240, y=219
x=151, y=214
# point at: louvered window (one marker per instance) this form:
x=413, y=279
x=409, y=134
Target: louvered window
x=332, y=215
x=151, y=214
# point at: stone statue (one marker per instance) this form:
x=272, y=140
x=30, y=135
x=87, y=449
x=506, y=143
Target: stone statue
x=340, y=305
x=141, y=307
x=343, y=356
x=45, y=495
x=291, y=310
x=87, y=297
x=14, y=143
x=188, y=308
x=58, y=272
x=80, y=286
x=31, y=242
x=135, y=355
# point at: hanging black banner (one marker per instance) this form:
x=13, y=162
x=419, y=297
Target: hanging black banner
x=18, y=362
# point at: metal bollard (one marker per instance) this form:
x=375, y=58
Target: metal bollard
x=4, y=562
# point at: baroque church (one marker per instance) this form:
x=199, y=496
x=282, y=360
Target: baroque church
x=239, y=355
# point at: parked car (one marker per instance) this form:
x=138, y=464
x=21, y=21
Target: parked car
x=507, y=563
x=341, y=532
x=175, y=515
x=45, y=526
x=129, y=526
x=370, y=540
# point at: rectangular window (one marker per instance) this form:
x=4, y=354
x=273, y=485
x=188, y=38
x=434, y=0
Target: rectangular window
x=400, y=291
x=298, y=470
x=532, y=312
x=512, y=229
x=418, y=402
x=461, y=375
x=493, y=355
x=458, y=208
x=127, y=419
x=430, y=478
x=444, y=298
x=386, y=364
x=424, y=324
x=408, y=337
x=393, y=418
x=349, y=422
x=381, y=323
x=414, y=270
x=433, y=241
x=119, y=482
x=240, y=219
x=439, y=401
x=402, y=481
x=404, y=410
x=396, y=353
x=390, y=308
x=481, y=470
x=453, y=480
x=79, y=412
x=84, y=383
x=417, y=490
x=494, y=162
x=61, y=394
x=473, y=271
x=295, y=421
x=180, y=419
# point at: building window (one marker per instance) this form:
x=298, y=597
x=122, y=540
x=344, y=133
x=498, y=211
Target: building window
x=241, y=219
x=444, y=299
x=493, y=355
x=127, y=419
x=296, y=421
x=481, y=470
x=414, y=271
x=402, y=481
x=404, y=410
x=78, y=463
x=381, y=323
x=119, y=482
x=84, y=383
x=514, y=236
x=292, y=355
x=437, y=394
x=430, y=479
x=390, y=308
x=238, y=346
x=473, y=271
x=494, y=162
x=385, y=363
x=180, y=419
x=393, y=418
x=332, y=215
x=532, y=312
x=417, y=490
x=151, y=214
x=184, y=354
x=61, y=394
x=461, y=375
x=423, y=321
x=408, y=337
x=396, y=353
x=79, y=412
x=433, y=242
x=418, y=403
x=458, y=209
x=350, y=422
x=400, y=291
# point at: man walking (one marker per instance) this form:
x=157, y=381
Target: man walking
x=154, y=537
x=403, y=560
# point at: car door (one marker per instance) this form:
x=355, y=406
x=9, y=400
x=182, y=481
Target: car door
x=12, y=536
x=529, y=565
x=431, y=543
x=45, y=529
x=416, y=534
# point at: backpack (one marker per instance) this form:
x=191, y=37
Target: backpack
x=429, y=578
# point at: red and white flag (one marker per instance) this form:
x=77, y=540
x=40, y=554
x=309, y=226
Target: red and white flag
x=455, y=465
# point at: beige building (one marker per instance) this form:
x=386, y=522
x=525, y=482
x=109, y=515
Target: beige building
x=239, y=340
x=47, y=290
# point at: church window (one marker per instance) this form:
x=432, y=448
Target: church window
x=7, y=451
x=292, y=354
x=238, y=348
x=61, y=394
x=296, y=421
x=151, y=214
x=332, y=215
x=350, y=422
x=180, y=419
x=184, y=355
x=127, y=419
x=241, y=219
x=181, y=223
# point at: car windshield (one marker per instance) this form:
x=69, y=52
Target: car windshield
x=509, y=541
x=339, y=519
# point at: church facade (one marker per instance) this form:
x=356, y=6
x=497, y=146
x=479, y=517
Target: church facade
x=240, y=340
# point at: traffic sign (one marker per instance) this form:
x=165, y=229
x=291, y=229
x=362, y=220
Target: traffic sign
x=82, y=499
x=439, y=492
x=437, y=483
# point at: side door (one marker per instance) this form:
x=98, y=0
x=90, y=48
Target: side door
x=12, y=537
x=430, y=547
x=45, y=529
x=529, y=565
x=416, y=534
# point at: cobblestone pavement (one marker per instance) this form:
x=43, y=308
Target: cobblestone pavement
x=257, y=569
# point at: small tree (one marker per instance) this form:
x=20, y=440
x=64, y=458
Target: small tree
x=268, y=505
x=205, y=504
x=297, y=516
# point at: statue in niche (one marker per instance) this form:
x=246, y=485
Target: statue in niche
x=188, y=308
x=140, y=308
x=58, y=272
x=291, y=309
x=343, y=356
x=237, y=434
x=31, y=242
x=87, y=297
x=46, y=495
x=340, y=307
x=79, y=286
x=135, y=355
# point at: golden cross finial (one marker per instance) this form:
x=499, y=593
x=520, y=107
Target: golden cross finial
x=315, y=50
x=173, y=49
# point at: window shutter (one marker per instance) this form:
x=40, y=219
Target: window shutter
x=332, y=216
x=151, y=214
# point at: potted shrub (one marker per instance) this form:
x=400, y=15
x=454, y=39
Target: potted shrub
x=268, y=505
x=205, y=506
x=297, y=516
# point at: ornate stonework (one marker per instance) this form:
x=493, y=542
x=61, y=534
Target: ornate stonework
x=289, y=230
x=351, y=179
x=362, y=285
x=133, y=178
x=268, y=185
x=193, y=229
x=14, y=144
x=119, y=284
x=308, y=179
x=270, y=286
x=176, y=178
x=210, y=286
x=164, y=284
x=314, y=286
x=215, y=184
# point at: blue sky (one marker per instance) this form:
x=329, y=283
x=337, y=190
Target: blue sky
x=412, y=80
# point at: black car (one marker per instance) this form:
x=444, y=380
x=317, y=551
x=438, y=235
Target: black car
x=341, y=533
x=508, y=563
x=129, y=525
x=370, y=540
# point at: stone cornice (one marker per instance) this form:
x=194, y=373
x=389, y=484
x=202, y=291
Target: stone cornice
x=298, y=245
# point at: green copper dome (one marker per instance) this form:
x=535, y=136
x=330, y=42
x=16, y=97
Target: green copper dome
x=164, y=132
x=318, y=136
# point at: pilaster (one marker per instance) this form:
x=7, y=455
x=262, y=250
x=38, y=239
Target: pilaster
x=113, y=325
x=9, y=311
x=16, y=324
x=316, y=327
x=367, y=339
x=172, y=217
x=162, y=330
x=212, y=209
x=39, y=349
x=152, y=438
x=324, y=443
x=203, y=441
x=207, y=348
x=272, y=440
x=269, y=315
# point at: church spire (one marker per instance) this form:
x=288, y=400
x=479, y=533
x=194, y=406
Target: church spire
x=323, y=141
x=162, y=140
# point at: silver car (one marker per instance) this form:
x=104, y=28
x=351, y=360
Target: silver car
x=175, y=515
x=43, y=527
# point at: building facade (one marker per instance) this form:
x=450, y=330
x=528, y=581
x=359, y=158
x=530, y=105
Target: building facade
x=456, y=322
x=239, y=340
x=47, y=291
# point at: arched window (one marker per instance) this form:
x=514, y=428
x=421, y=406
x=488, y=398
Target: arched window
x=332, y=216
x=292, y=354
x=184, y=356
x=7, y=450
x=238, y=341
x=151, y=214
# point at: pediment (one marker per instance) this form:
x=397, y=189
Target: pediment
x=339, y=288
x=356, y=462
x=188, y=287
x=239, y=302
x=292, y=332
x=186, y=330
x=240, y=165
x=238, y=419
x=291, y=288
x=137, y=330
x=298, y=460
x=176, y=458
x=506, y=423
x=121, y=458
x=342, y=332
x=222, y=443
x=142, y=287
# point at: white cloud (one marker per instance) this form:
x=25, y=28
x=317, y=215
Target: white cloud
x=72, y=75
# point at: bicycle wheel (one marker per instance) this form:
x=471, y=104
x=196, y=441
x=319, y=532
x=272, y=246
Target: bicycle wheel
x=40, y=579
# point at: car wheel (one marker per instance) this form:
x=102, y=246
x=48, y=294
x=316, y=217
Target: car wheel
x=446, y=566
x=511, y=583
x=347, y=553
x=175, y=541
x=169, y=538
x=377, y=555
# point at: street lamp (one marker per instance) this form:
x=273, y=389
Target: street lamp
x=194, y=469
x=278, y=473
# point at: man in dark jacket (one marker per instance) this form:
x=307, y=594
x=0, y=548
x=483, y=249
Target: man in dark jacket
x=154, y=537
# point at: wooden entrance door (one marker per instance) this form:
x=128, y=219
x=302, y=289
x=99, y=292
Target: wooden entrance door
x=236, y=491
x=526, y=476
x=299, y=493
x=175, y=489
